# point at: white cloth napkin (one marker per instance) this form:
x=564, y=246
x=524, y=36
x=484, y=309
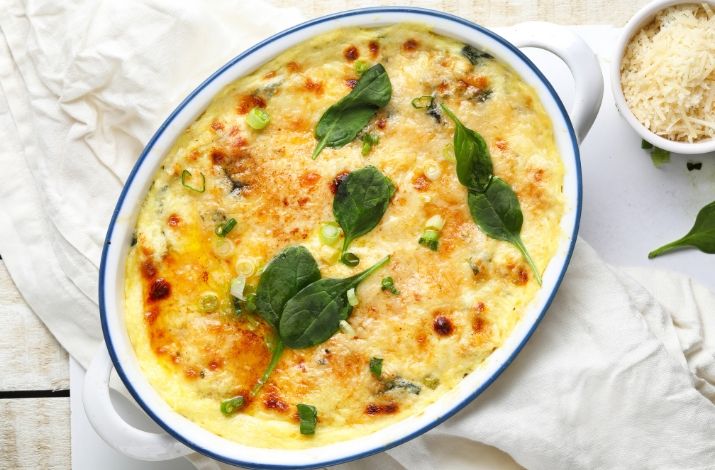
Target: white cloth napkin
x=621, y=373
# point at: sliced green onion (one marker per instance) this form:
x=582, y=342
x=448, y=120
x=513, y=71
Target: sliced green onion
x=432, y=171
x=430, y=239
x=329, y=233
x=186, y=174
x=308, y=415
x=257, y=118
x=423, y=102
x=361, y=67
x=209, y=302
x=350, y=259
x=368, y=142
x=352, y=297
x=435, y=222
x=431, y=381
x=238, y=284
x=448, y=153
x=231, y=405
x=223, y=230
x=388, y=284
x=222, y=247
x=346, y=328
x=376, y=366
x=646, y=145
x=250, y=303
x=245, y=267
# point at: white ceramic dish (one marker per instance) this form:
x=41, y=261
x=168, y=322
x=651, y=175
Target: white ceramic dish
x=644, y=16
x=183, y=436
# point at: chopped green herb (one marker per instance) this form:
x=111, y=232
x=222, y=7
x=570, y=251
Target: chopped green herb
x=388, y=284
x=482, y=95
x=475, y=55
x=223, y=230
x=257, y=118
x=423, y=102
x=251, y=302
x=308, y=415
x=646, y=145
x=399, y=382
x=368, y=142
x=350, y=259
x=209, y=302
x=431, y=381
x=361, y=67
x=231, y=405
x=659, y=156
x=186, y=175
x=430, y=239
x=376, y=366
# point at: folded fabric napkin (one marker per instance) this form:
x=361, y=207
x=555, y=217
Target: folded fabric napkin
x=620, y=374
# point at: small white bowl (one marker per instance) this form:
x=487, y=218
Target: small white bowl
x=644, y=16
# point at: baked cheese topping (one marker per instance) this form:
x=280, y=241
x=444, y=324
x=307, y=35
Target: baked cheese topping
x=449, y=309
x=668, y=73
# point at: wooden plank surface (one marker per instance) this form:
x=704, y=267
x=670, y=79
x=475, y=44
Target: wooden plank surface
x=35, y=432
x=31, y=357
x=35, y=429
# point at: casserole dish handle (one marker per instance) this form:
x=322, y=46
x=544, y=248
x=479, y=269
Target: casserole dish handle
x=115, y=431
x=581, y=61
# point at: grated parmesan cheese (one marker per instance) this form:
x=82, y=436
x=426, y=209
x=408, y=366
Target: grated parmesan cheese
x=668, y=73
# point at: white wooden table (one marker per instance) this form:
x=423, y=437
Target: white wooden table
x=34, y=388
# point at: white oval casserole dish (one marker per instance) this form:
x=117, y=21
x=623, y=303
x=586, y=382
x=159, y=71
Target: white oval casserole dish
x=184, y=436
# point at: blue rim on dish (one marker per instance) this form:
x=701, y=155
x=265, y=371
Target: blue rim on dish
x=220, y=71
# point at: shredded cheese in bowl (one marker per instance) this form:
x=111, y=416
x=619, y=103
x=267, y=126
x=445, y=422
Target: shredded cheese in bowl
x=668, y=73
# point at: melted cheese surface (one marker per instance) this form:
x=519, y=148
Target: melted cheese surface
x=455, y=305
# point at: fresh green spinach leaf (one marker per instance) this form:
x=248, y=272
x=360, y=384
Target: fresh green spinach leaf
x=342, y=122
x=474, y=164
x=475, y=55
x=701, y=236
x=287, y=273
x=497, y=213
x=313, y=315
x=361, y=200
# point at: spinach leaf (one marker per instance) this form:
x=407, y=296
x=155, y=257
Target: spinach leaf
x=342, y=122
x=314, y=314
x=701, y=236
x=474, y=164
x=287, y=273
x=360, y=201
x=475, y=55
x=498, y=214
